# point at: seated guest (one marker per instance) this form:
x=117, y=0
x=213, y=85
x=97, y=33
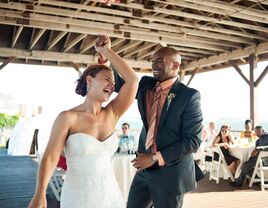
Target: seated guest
x=225, y=140
x=248, y=133
x=126, y=140
x=248, y=167
x=212, y=132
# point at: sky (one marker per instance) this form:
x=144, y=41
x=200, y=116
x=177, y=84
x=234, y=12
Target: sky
x=224, y=94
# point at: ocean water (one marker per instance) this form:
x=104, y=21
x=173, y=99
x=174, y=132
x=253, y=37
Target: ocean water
x=237, y=124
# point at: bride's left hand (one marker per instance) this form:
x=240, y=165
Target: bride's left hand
x=143, y=161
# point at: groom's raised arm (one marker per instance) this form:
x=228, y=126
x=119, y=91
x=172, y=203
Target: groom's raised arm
x=118, y=80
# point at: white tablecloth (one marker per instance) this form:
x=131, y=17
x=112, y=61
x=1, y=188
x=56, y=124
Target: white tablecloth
x=242, y=152
x=124, y=172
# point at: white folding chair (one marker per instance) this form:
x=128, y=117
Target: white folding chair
x=218, y=165
x=56, y=180
x=260, y=170
x=208, y=155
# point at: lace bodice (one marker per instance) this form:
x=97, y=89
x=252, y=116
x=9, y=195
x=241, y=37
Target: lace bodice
x=90, y=180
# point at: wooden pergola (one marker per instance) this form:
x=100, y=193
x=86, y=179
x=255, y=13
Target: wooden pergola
x=210, y=34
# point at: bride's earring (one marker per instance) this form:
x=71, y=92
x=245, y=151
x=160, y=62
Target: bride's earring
x=88, y=87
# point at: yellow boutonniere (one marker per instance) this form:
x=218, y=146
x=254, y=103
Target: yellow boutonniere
x=169, y=98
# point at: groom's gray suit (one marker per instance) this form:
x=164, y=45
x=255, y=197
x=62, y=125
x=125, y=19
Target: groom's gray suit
x=178, y=136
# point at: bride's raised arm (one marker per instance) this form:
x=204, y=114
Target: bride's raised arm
x=128, y=91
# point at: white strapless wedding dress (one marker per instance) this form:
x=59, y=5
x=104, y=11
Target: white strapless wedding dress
x=90, y=180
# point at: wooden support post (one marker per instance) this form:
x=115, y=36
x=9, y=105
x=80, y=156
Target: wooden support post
x=252, y=93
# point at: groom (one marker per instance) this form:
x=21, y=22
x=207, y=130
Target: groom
x=172, y=123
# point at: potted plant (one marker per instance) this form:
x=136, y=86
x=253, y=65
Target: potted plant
x=7, y=122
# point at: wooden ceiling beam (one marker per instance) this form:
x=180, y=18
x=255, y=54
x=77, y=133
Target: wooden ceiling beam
x=56, y=38
x=140, y=49
x=222, y=8
x=36, y=35
x=68, y=21
x=116, y=42
x=87, y=43
x=62, y=57
x=265, y=2
x=66, y=40
x=190, y=54
x=74, y=42
x=225, y=57
x=95, y=31
x=146, y=53
x=141, y=7
x=136, y=23
x=16, y=33
x=193, y=50
x=195, y=16
x=183, y=37
x=202, y=27
x=128, y=46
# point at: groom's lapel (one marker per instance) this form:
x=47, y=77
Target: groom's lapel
x=167, y=106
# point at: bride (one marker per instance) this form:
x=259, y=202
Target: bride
x=85, y=132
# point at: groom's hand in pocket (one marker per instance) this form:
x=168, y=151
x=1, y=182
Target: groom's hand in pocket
x=143, y=161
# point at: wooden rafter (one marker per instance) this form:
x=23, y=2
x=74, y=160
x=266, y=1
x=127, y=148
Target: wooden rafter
x=55, y=39
x=62, y=57
x=36, y=35
x=74, y=42
x=138, y=23
x=140, y=49
x=87, y=43
x=241, y=53
x=9, y=60
x=222, y=8
x=16, y=34
x=128, y=46
x=207, y=33
x=91, y=28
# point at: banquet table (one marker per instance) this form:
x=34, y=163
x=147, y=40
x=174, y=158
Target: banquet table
x=242, y=152
x=124, y=171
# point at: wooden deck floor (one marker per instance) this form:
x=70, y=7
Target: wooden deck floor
x=18, y=175
x=17, y=182
x=211, y=195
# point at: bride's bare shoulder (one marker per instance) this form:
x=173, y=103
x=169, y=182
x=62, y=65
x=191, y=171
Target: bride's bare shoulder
x=69, y=114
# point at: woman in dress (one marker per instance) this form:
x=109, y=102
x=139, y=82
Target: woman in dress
x=225, y=140
x=86, y=134
x=248, y=133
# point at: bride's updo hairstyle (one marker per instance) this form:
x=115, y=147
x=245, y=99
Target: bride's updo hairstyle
x=93, y=70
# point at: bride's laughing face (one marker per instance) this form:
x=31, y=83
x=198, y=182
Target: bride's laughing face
x=102, y=86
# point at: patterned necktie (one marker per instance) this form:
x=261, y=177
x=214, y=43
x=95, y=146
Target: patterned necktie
x=152, y=117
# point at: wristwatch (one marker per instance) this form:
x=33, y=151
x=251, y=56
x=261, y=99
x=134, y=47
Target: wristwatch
x=154, y=157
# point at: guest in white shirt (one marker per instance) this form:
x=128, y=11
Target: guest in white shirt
x=212, y=132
